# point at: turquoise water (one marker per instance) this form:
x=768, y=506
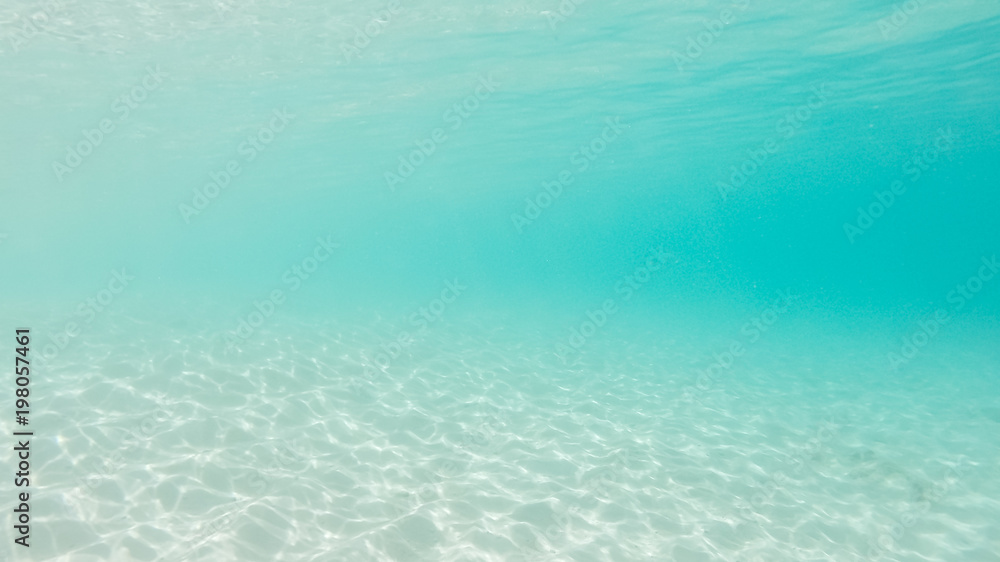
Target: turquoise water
x=524, y=281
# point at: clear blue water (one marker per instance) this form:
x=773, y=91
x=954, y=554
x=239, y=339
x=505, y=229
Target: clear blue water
x=521, y=281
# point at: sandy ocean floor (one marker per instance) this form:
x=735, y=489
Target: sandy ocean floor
x=476, y=444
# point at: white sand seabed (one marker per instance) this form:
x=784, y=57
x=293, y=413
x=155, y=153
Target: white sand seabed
x=478, y=444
